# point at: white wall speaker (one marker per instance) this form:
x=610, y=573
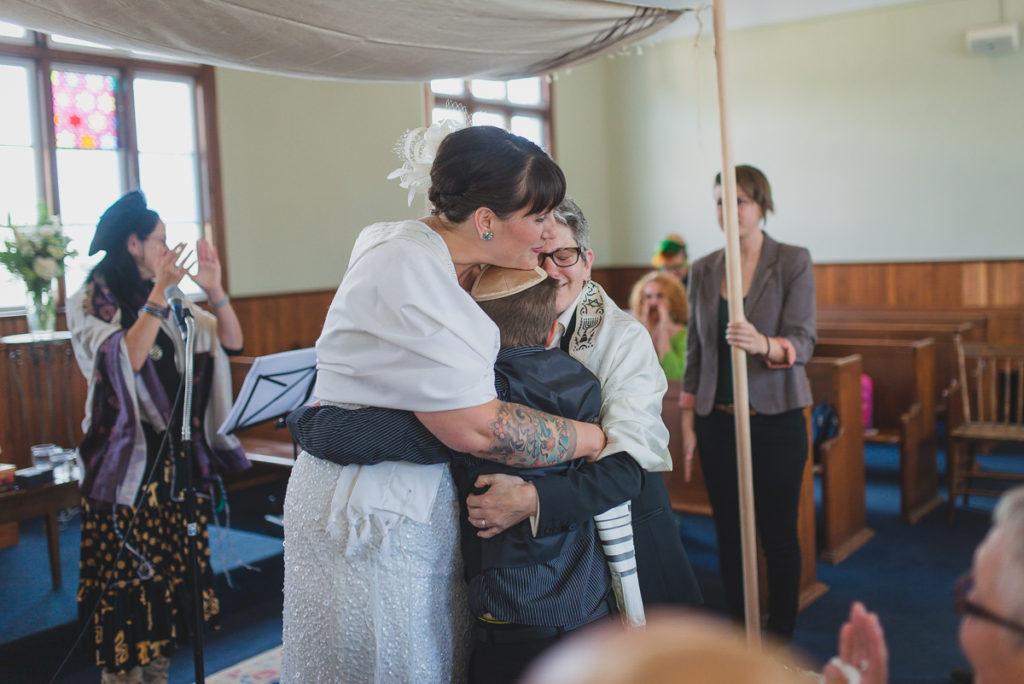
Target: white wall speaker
x=994, y=39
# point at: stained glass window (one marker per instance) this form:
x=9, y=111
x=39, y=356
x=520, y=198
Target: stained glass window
x=84, y=110
x=90, y=127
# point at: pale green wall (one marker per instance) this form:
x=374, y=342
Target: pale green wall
x=304, y=167
x=883, y=138
x=582, y=148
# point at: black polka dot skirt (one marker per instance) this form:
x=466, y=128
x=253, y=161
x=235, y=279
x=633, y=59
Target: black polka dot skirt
x=141, y=596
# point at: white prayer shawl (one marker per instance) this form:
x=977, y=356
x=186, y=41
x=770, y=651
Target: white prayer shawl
x=89, y=332
x=617, y=348
x=401, y=333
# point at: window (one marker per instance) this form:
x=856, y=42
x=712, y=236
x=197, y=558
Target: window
x=80, y=128
x=522, y=106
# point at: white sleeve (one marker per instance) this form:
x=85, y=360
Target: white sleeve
x=632, y=387
x=88, y=332
x=401, y=333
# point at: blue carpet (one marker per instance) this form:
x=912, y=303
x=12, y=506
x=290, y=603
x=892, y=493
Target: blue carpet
x=32, y=604
x=904, y=573
x=39, y=625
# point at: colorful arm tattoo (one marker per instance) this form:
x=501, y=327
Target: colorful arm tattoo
x=527, y=438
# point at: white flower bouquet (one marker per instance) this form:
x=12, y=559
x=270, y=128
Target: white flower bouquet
x=37, y=253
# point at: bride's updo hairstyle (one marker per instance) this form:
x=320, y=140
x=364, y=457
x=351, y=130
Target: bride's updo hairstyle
x=485, y=166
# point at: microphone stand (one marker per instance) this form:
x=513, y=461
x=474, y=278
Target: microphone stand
x=187, y=325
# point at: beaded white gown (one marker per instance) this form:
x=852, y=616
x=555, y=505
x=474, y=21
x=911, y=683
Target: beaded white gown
x=374, y=588
x=395, y=616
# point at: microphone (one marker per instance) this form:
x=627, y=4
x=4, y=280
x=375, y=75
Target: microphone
x=176, y=300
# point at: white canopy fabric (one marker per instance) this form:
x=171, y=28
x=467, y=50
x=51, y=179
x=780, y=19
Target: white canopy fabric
x=379, y=40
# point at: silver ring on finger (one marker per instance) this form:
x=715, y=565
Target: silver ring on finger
x=483, y=523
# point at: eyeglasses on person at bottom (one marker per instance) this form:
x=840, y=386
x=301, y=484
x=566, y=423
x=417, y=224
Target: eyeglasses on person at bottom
x=965, y=606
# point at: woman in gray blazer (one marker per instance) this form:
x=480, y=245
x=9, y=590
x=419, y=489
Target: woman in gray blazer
x=779, y=335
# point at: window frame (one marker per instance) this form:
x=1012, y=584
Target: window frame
x=44, y=57
x=545, y=110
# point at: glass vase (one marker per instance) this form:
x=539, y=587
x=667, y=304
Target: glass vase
x=41, y=310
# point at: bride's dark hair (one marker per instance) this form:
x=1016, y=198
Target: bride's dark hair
x=485, y=166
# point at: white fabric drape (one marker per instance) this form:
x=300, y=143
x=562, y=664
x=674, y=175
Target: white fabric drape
x=382, y=40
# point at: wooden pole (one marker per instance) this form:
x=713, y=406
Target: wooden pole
x=734, y=291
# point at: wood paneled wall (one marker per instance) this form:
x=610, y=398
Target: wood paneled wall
x=282, y=322
x=274, y=323
x=996, y=287
x=927, y=285
x=271, y=324
x=924, y=285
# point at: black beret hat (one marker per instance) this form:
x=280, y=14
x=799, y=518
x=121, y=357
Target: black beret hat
x=125, y=216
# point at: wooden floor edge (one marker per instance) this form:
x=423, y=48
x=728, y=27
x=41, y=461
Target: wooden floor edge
x=843, y=551
x=812, y=593
x=914, y=515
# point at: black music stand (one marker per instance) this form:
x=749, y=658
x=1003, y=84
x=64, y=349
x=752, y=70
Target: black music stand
x=276, y=385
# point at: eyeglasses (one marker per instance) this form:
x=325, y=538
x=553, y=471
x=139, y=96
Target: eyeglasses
x=565, y=256
x=965, y=606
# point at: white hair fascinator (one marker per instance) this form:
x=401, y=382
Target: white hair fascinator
x=417, y=149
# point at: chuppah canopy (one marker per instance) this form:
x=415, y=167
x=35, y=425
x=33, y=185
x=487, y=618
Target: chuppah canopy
x=400, y=40
x=379, y=40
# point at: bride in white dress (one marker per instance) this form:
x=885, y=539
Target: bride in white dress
x=374, y=589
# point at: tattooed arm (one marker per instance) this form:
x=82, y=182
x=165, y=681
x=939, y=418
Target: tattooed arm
x=514, y=435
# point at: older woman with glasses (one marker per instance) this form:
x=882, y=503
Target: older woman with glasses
x=989, y=600
x=612, y=345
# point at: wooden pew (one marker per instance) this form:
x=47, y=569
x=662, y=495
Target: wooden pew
x=843, y=511
x=692, y=498
x=687, y=497
x=903, y=376
x=944, y=334
x=980, y=319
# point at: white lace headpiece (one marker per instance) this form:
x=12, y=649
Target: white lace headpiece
x=417, y=149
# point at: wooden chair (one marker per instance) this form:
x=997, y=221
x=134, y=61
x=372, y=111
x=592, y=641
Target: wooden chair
x=991, y=391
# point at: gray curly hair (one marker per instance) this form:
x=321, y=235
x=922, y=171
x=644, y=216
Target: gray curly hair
x=569, y=214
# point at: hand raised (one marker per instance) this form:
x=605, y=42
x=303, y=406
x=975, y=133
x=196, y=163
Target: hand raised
x=862, y=648
x=208, y=269
x=167, y=271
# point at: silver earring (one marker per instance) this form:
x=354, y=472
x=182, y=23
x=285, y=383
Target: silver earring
x=487, y=236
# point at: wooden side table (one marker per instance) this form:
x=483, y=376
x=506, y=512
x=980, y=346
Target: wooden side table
x=22, y=504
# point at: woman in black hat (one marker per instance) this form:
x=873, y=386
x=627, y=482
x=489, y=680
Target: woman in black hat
x=132, y=593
